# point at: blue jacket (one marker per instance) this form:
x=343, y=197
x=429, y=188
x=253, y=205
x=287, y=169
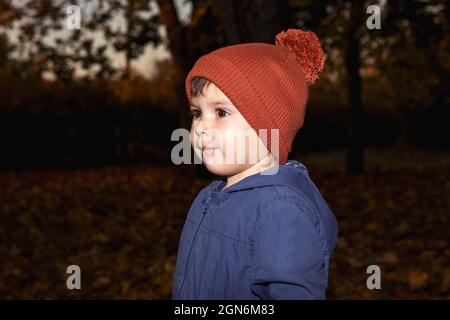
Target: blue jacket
x=265, y=237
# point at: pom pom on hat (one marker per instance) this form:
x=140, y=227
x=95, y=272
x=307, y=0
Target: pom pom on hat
x=307, y=49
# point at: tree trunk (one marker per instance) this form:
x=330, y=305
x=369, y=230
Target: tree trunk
x=178, y=47
x=253, y=20
x=129, y=22
x=355, y=152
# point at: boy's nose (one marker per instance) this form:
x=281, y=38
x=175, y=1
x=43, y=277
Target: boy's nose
x=205, y=135
x=205, y=127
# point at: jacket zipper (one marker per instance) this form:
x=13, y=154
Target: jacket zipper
x=204, y=212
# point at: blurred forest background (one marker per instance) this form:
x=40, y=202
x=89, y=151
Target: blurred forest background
x=86, y=117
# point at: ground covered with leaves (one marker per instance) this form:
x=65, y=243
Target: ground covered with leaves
x=121, y=225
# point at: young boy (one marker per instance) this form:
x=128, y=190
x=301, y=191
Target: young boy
x=263, y=231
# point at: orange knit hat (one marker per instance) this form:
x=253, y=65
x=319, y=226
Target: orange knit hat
x=267, y=83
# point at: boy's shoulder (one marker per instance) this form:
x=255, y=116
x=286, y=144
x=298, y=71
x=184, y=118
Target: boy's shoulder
x=284, y=195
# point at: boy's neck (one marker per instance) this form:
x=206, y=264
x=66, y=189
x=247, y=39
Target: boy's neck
x=264, y=164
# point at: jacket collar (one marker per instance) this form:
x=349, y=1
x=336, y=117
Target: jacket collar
x=287, y=175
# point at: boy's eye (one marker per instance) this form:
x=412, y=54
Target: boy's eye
x=220, y=113
x=195, y=113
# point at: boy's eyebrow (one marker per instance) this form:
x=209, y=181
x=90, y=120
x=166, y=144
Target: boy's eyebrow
x=212, y=103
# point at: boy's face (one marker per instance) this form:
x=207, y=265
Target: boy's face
x=218, y=128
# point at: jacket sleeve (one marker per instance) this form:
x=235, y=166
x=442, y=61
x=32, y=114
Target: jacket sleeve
x=290, y=259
